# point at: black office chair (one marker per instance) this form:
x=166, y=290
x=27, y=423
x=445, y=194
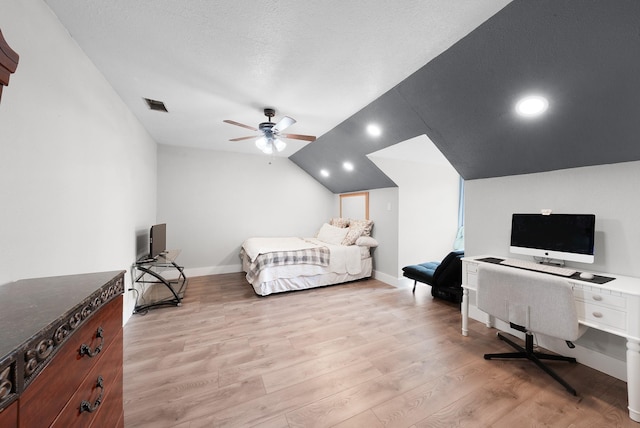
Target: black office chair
x=530, y=302
x=445, y=277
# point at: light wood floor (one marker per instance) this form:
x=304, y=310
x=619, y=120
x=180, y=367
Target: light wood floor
x=363, y=354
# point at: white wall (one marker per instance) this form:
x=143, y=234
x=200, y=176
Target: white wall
x=212, y=201
x=608, y=191
x=383, y=210
x=428, y=189
x=78, y=171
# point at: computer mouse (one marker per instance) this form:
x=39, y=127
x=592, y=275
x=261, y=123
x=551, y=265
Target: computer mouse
x=586, y=275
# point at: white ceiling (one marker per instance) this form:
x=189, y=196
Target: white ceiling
x=318, y=62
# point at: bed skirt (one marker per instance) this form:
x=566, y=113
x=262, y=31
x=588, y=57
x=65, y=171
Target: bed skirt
x=311, y=281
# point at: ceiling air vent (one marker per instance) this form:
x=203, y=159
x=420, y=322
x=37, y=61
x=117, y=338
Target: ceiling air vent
x=156, y=105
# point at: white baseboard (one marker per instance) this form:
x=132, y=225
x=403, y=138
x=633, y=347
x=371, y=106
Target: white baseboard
x=387, y=279
x=212, y=270
x=171, y=273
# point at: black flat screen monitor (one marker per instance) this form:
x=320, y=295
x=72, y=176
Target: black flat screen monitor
x=567, y=237
x=157, y=240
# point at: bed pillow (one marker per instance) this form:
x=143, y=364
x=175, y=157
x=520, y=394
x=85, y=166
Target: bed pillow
x=366, y=241
x=331, y=234
x=339, y=222
x=366, y=226
x=352, y=235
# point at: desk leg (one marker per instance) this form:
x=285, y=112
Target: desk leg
x=465, y=312
x=633, y=378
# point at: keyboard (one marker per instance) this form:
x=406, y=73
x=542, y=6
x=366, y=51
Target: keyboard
x=555, y=270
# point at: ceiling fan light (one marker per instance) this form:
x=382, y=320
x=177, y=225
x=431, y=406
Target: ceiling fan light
x=280, y=145
x=262, y=143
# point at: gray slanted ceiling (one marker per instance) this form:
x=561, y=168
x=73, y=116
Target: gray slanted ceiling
x=583, y=55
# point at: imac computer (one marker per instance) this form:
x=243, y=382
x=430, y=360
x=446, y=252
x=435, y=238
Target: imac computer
x=566, y=237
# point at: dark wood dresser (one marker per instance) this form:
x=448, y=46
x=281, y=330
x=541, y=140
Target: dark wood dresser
x=61, y=351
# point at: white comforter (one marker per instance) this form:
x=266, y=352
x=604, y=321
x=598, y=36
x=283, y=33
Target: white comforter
x=343, y=259
x=253, y=247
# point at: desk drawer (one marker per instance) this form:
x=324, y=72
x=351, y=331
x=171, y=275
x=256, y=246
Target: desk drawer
x=602, y=315
x=472, y=281
x=598, y=297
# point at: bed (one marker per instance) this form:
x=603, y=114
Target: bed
x=275, y=265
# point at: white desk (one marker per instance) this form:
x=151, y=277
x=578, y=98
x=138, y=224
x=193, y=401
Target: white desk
x=613, y=307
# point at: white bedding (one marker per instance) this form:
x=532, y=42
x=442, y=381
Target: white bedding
x=343, y=258
x=253, y=247
x=346, y=263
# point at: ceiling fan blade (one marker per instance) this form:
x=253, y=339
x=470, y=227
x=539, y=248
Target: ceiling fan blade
x=283, y=124
x=233, y=122
x=299, y=137
x=243, y=138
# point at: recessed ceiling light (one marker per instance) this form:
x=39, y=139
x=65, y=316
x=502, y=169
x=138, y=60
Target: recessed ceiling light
x=324, y=173
x=348, y=166
x=374, y=130
x=532, y=106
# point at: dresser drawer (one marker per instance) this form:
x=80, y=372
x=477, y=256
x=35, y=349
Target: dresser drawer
x=111, y=412
x=9, y=416
x=107, y=396
x=68, y=368
x=602, y=315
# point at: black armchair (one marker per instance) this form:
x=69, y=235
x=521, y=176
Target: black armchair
x=445, y=277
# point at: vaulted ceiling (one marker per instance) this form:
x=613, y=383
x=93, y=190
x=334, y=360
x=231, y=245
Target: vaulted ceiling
x=452, y=70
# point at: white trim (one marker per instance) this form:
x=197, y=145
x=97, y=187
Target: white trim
x=386, y=278
x=212, y=270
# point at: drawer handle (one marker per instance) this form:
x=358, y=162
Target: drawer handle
x=597, y=314
x=85, y=406
x=597, y=298
x=86, y=350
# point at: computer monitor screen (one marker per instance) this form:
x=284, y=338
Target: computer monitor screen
x=157, y=240
x=567, y=237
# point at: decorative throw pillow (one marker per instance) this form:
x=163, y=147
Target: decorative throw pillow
x=339, y=222
x=366, y=241
x=331, y=234
x=353, y=234
x=366, y=226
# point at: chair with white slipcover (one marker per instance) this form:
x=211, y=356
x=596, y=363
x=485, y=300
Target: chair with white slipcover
x=531, y=302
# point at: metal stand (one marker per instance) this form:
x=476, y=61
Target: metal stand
x=148, y=271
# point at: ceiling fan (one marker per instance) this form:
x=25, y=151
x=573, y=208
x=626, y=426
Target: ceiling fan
x=269, y=136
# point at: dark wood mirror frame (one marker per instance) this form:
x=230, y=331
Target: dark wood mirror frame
x=8, y=62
